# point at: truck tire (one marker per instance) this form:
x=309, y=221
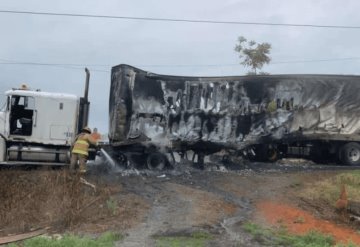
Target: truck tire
x=122, y=160
x=350, y=154
x=156, y=161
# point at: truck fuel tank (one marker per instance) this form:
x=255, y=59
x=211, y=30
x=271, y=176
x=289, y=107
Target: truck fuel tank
x=38, y=153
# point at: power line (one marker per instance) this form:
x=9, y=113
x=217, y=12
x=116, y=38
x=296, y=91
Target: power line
x=236, y=64
x=317, y=60
x=179, y=20
x=81, y=66
x=58, y=65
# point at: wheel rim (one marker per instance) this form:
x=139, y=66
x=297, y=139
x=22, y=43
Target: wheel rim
x=354, y=154
x=121, y=159
x=156, y=162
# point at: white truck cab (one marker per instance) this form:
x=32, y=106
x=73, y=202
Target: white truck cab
x=39, y=117
x=39, y=127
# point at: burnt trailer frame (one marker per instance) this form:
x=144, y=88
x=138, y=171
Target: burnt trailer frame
x=264, y=117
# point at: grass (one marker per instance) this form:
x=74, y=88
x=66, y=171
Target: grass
x=280, y=237
x=106, y=240
x=196, y=239
x=329, y=189
x=112, y=205
x=296, y=184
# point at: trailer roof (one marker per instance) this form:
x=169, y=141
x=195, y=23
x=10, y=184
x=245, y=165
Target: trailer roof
x=242, y=77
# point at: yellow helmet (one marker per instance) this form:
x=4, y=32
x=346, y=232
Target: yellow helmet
x=86, y=129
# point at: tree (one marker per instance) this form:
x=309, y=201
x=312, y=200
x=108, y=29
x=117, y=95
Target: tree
x=252, y=54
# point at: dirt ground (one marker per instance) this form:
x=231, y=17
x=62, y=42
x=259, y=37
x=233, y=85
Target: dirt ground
x=144, y=204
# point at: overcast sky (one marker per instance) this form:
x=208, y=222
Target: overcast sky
x=161, y=47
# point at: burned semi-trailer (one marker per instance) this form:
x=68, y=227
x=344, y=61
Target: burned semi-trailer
x=264, y=117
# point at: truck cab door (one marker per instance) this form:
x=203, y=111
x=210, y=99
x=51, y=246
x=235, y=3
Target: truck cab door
x=22, y=114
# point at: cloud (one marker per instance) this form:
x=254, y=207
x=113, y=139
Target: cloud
x=111, y=42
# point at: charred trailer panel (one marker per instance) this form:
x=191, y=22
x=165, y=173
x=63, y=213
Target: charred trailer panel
x=177, y=113
x=193, y=110
x=311, y=116
x=133, y=99
x=268, y=116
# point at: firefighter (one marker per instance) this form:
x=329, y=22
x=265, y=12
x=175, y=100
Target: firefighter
x=96, y=135
x=80, y=147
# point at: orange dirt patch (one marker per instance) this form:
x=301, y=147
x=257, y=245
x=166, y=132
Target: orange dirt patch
x=300, y=222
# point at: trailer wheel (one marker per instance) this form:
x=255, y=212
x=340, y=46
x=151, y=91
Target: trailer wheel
x=156, y=161
x=265, y=153
x=350, y=154
x=122, y=160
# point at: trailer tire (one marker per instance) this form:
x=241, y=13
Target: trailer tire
x=122, y=160
x=266, y=153
x=350, y=154
x=156, y=161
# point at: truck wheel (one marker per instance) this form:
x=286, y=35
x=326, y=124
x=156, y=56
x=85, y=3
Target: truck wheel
x=122, y=160
x=156, y=161
x=350, y=154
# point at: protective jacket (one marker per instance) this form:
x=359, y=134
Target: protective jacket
x=82, y=143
